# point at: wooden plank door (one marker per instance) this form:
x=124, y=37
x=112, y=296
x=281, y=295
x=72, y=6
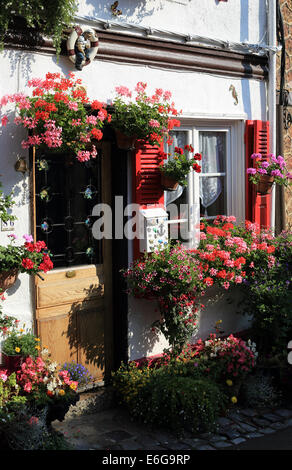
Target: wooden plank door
x=74, y=300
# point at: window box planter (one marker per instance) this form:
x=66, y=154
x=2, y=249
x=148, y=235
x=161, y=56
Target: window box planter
x=168, y=183
x=8, y=279
x=125, y=142
x=265, y=184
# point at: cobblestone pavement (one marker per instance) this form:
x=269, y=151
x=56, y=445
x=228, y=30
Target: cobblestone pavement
x=113, y=429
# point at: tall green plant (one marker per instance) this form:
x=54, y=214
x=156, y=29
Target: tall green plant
x=49, y=17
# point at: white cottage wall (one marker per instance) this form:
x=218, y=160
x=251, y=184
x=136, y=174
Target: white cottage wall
x=233, y=21
x=194, y=93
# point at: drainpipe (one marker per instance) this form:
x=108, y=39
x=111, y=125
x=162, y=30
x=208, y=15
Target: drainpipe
x=272, y=39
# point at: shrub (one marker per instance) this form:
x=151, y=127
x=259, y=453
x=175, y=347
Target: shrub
x=269, y=300
x=164, y=397
x=259, y=391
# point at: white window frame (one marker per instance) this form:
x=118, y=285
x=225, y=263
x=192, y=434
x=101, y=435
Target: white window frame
x=235, y=168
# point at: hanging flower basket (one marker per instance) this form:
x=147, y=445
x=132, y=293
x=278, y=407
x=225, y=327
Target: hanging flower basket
x=265, y=184
x=125, y=142
x=168, y=183
x=8, y=279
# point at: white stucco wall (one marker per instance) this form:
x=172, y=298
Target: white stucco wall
x=219, y=305
x=194, y=93
x=234, y=21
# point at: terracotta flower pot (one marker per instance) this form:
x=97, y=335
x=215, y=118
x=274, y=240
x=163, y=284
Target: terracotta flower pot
x=7, y=279
x=168, y=183
x=265, y=184
x=13, y=363
x=125, y=142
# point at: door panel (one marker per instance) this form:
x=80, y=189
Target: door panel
x=71, y=300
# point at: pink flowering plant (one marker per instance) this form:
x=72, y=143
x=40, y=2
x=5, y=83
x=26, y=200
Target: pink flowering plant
x=232, y=357
x=41, y=380
x=230, y=254
x=59, y=116
x=147, y=117
x=272, y=166
x=172, y=277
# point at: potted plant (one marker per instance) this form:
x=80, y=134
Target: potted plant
x=174, y=170
x=145, y=117
x=17, y=346
x=30, y=258
x=45, y=385
x=59, y=116
x=266, y=172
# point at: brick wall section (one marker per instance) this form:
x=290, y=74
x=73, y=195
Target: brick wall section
x=286, y=9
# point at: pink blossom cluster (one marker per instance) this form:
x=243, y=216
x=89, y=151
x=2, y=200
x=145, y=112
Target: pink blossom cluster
x=236, y=355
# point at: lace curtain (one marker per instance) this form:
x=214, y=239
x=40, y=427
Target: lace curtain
x=212, y=149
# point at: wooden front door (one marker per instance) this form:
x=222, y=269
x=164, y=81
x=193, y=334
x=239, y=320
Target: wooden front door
x=74, y=300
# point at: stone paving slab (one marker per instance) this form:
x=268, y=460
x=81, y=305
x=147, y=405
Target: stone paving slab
x=114, y=429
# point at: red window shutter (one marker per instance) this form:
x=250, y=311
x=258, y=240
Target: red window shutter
x=147, y=190
x=257, y=141
x=147, y=185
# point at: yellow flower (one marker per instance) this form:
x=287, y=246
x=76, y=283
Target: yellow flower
x=17, y=349
x=37, y=339
x=37, y=347
x=61, y=392
x=229, y=382
x=233, y=399
x=21, y=330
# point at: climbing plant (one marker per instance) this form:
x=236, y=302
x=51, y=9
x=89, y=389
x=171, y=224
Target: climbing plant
x=49, y=17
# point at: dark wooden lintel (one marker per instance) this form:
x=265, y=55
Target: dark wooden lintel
x=157, y=53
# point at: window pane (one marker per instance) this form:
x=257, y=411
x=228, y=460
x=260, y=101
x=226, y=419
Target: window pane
x=213, y=148
x=212, y=196
x=212, y=188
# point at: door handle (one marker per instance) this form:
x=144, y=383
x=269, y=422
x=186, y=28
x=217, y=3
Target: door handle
x=70, y=274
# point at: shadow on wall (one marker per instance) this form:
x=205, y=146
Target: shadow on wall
x=227, y=307
x=130, y=11
x=85, y=331
x=142, y=340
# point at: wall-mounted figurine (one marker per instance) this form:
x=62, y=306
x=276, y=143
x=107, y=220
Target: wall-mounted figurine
x=82, y=46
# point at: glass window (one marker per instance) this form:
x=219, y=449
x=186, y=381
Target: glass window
x=212, y=145
x=218, y=189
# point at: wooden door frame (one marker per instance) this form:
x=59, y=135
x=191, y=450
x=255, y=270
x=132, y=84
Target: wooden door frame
x=106, y=197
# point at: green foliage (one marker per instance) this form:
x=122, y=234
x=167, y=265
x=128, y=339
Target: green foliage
x=48, y=17
x=16, y=343
x=170, y=399
x=6, y=202
x=8, y=390
x=269, y=301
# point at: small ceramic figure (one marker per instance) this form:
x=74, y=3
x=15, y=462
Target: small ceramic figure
x=82, y=48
